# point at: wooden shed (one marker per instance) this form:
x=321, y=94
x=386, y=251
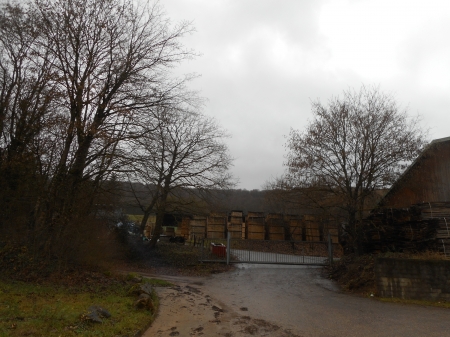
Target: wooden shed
x=427, y=179
x=415, y=212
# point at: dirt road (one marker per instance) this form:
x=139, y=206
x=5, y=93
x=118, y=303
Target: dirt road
x=280, y=301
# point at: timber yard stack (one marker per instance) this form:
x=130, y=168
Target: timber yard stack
x=441, y=212
x=216, y=225
x=256, y=227
x=330, y=228
x=236, y=225
x=275, y=226
x=410, y=229
x=297, y=230
x=314, y=227
x=169, y=231
x=197, y=227
x=184, y=230
x=149, y=225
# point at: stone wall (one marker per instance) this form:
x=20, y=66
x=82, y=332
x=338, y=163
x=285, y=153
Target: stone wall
x=413, y=279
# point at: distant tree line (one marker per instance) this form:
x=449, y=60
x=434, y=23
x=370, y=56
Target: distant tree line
x=201, y=202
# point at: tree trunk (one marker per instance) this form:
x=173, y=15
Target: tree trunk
x=158, y=227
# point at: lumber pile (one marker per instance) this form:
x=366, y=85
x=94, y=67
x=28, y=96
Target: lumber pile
x=184, y=230
x=216, y=225
x=256, y=229
x=197, y=227
x=275, y=226
x=441, y=212
x=235, y=224
x=424, y=226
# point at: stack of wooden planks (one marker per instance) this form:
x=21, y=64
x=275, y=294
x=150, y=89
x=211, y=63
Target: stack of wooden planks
x=297, y=230
x=441, y=212
x=184, y=230
x=424, y=226
x=275, y=226
x=197, y=227
x=216, y=225
x=235, y=224
x=256, y=229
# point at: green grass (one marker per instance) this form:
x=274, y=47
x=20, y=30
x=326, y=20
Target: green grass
x=46, y=310
x=158, y=283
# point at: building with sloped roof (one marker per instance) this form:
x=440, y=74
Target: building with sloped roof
x=427, y=179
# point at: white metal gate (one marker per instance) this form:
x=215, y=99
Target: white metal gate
x=268, y=252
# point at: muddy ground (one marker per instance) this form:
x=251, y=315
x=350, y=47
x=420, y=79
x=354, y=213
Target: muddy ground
x=261, y=300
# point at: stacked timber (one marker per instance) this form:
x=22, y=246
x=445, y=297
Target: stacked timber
x=148, y=231
x=275, y=226
x=170, y=231
x=406, y=229
x=330, y=227
x=197, y=227
x=441, y=212
x=313, y=227
x=256, y=228
x=184, y=227
x=297, y=230
x=235, y=224
x=216, y=225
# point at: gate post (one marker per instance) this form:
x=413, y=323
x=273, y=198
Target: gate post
x=201, y=250
x=228, y=247
x=330, y=249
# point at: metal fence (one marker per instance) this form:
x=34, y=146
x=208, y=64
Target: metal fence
x=269, y=252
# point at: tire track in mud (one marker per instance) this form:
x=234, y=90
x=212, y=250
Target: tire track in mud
x=185, y=310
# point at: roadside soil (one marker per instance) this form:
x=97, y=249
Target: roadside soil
x=186, y=309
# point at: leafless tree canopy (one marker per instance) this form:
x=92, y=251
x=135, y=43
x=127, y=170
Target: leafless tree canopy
x=78, y=80
x=356, y=144
x=182, y=152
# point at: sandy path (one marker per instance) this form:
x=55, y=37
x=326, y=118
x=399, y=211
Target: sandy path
x=185, y=310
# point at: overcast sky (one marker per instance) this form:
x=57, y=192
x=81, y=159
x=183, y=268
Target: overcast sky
x=262, y=62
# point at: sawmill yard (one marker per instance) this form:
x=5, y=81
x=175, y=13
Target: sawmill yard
x=50, y=303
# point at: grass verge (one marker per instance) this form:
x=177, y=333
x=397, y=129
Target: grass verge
x=28, y=309
x=354, y=274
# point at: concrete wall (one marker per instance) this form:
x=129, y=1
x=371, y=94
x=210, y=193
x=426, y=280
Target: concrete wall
x=413, y=279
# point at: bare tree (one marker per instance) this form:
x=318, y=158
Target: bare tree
x=354, y=145
x=27, y=115
x=111, y=60
x=76, y=75
x=184, y=151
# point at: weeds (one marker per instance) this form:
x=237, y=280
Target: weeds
x=55, y=310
